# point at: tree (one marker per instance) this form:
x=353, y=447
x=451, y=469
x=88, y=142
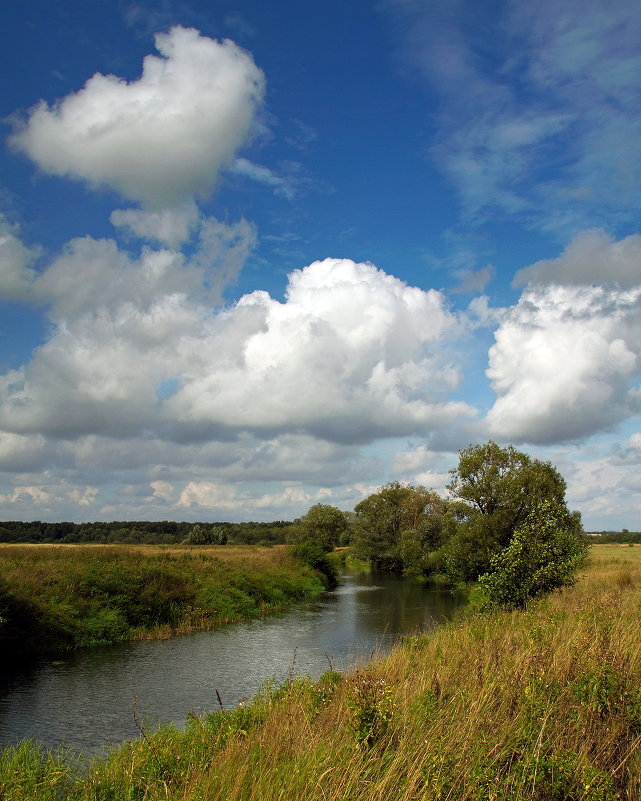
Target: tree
x=324, y=525
x=505, y=484
x=500, y=488
x=397, y=527
x=544, y=554
x=197, y=536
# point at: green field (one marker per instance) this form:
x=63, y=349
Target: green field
x=56, y=598
x=537, y=704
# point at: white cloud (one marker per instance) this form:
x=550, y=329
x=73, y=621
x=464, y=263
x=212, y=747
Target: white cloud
x=353, y=354
x=136, y=349
x=83, y=496
x=263, y=175
x=415, y=459
x=163, y=490
x=565, y=363
x=160, y=139
x=591, y=257
x=16, y=274
x=222, y=251
x=208, y=494
x=172, y=227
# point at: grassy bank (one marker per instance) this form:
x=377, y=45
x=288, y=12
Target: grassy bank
x=58, y=598
x=543, y=704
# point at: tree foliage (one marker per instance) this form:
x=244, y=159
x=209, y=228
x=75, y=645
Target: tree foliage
x=500, y=487
x=544, y=554
x=398, y=527
x=505, y=484
x=324, y=525
x=507, y=524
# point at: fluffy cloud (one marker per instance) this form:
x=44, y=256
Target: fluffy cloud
x=157, y=140
x=591, y=257
x=16, y=274
x=565, y=363
x=353, y=354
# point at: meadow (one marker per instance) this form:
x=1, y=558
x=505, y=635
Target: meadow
x=538, y=704
x=57, y=598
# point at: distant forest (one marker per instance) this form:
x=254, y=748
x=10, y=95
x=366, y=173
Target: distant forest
x=165, y=532
x=625, y=536
x=169, y=532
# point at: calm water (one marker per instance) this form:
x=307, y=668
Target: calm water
x=88, y=700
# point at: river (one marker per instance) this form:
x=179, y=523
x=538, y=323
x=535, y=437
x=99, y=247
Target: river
x=93, y=698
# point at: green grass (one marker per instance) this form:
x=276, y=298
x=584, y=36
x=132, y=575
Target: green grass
x=540, y=704
x=59, y=598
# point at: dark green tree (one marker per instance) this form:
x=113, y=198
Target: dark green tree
x=500, y=487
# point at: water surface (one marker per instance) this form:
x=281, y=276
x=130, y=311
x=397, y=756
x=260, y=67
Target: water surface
x=93, y=698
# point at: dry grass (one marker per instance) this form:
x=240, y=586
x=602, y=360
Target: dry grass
x=543, y=704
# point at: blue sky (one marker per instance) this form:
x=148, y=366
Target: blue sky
x=259, y=256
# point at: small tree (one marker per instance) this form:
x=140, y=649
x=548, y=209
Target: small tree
x=323, y=525
x=544, y=554
x=400, y=522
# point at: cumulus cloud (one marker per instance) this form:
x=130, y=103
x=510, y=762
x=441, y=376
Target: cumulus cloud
x=17, y=276
x=159, y=139
x=591, y=257
x=565, y=363
x=352, y=354
x=45, y=493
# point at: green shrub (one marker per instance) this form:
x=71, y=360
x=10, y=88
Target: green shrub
x=313, y=555
x=543, y=554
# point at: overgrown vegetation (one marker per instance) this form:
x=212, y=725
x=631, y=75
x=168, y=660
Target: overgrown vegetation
x=58, y=598
x=541, y=704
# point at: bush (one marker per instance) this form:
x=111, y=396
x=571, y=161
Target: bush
x=543, y=554
x=313, y=555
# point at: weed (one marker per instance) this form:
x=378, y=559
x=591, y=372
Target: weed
x=370, y=702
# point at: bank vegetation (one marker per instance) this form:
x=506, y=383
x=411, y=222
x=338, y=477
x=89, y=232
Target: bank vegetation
x=538, y=703
x=55, y=599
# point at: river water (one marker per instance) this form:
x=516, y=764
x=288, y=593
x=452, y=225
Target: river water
x=93, y=698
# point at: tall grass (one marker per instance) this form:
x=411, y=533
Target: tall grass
x=539, y=704
x=57, y=598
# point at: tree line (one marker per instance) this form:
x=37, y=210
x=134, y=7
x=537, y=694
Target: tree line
x=505, y=525
x=144, y=532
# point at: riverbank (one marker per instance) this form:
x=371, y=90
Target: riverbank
x=58, y=598
x=543, y=704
